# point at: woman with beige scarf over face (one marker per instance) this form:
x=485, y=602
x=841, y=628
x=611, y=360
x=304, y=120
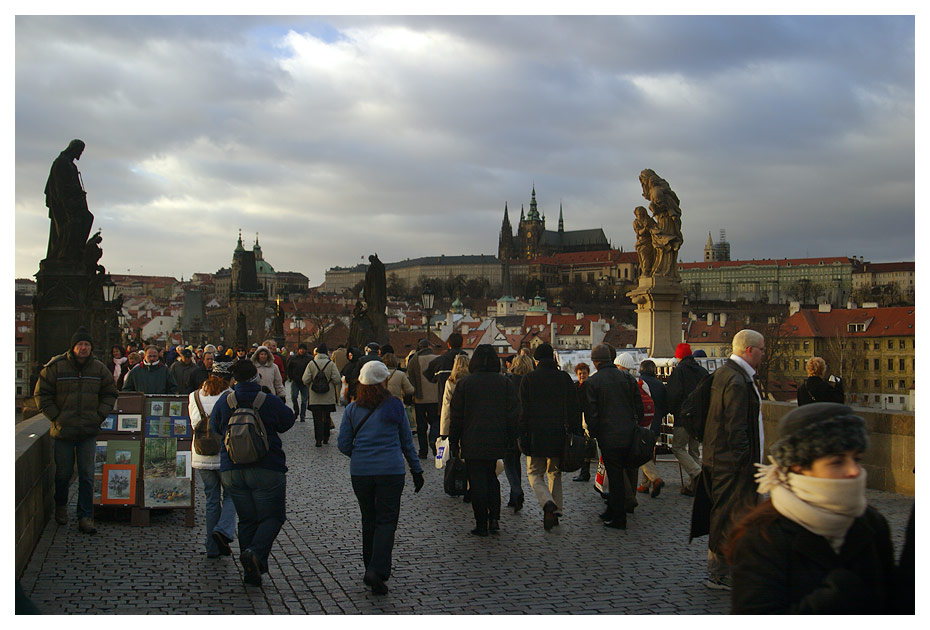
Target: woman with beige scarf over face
x=815, y=547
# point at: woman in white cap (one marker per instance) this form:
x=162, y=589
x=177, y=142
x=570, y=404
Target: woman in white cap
x=221, y=514
x=815, y=547
x=376, y=435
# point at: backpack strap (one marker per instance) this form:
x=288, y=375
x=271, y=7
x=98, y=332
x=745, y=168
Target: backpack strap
x=200, y=406
x=259, y=401
x=231, y=400
x=362, y=423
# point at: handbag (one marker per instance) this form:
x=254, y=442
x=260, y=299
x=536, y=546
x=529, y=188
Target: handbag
x=455, y=479
x=643, y=447
x=574, y=451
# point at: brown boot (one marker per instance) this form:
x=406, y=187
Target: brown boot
x=61, y=514
x=86, y=525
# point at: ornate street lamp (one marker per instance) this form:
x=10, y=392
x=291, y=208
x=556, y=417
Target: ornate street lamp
x=109, y=289
x=299, y=323
x=426, y=300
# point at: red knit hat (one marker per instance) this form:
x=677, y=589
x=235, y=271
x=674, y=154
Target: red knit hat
x=682, y=350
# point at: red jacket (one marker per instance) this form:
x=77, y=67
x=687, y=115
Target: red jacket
x=280, y=363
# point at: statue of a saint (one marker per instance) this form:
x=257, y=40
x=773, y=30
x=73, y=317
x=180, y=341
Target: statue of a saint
x=376, y=286
x=643, y=225
x=666, y=235
x=67, y=207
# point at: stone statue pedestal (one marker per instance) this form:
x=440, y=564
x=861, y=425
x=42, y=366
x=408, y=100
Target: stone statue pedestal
x=658, y=303
x=63, y=302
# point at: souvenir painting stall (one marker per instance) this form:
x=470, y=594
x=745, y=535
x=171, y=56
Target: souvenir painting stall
x=143, y=457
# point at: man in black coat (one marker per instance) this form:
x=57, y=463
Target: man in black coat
x=294, y=369
x=440, y=368
x=548, y=405
x=612, y=411
x=733, y=444
x=682, y=381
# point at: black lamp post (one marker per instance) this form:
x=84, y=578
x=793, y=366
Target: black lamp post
x=124, y=333
x=299, y=323
x=426, y=300
x=109, y=293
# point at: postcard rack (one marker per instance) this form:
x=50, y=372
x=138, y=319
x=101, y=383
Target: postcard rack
x=143, y=457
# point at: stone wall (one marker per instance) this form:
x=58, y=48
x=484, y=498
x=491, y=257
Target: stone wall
x=890, y=458
x=35, y=486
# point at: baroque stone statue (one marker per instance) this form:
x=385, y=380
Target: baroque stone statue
x=666, y=233
x=369, y=323
x=643, y=225
x=67, y=207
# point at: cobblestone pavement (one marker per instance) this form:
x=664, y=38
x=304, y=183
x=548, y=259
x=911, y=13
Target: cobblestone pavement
x=316, y=566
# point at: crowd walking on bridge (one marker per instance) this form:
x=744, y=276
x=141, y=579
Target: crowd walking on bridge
x=792, y=533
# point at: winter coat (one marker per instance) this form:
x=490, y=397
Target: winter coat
x=323, y=362
x=279, y=362
x=268, y=374
x=727, y=487
x=658, y=393
x=350, y=372
x=815, y=389
x=440, y=369
x=787, y=569
x=485, y=414
x=110, y=365
x=185, y=376
x=150, y=379
x=296, y=366
x=398, y=384
x=445, y=409
x=548, y=403
x=75, y=398
x=683, y=380
x=276, y=416
x=424, y=392
x=204, y=462
x=382, y=443
x=339, y=358
x=613, y=408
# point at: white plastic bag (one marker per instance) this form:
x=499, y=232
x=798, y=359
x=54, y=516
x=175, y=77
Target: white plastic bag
x=442, y=452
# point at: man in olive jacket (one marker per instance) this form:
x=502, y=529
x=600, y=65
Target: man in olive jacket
x=75, y=392
x=733, y=444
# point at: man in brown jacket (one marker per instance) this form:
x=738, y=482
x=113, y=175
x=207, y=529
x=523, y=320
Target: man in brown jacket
x=733, y=444
x=75, y=392
x=425, y=398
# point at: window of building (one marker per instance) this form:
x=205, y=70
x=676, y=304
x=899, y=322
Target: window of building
x=901, y=365
x=875, y=365
x=797, y=364
x=875, y=346
x=901, y=384
x=19, y=356
x=891, y=344
x=807, y=345
x=19, y=390
x=891, y=365
x=877, y=383
x=901, y=344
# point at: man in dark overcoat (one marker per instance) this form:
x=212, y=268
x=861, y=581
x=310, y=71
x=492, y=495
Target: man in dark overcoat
x=733, y=443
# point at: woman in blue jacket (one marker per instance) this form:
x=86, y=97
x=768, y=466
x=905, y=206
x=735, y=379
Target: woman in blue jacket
x=375, y=434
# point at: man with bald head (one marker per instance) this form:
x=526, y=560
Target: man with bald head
x=733, y=444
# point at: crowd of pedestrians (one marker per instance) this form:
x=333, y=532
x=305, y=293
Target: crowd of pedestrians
x=791, y=536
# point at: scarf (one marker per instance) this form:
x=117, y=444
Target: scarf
x=826, y=507
x=118, y=367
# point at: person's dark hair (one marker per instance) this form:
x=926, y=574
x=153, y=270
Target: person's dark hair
x=214, y=385
x=371, y=396
x=390, y=360
x=243, y=370
x=484, y=360
x=122, y=352
x=647, y=367
x=583, y=366
x=761, y=516
x=150, y=347
x=455, y=340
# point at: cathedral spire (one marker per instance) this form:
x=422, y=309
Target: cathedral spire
x=239, y=247
x=561, y=223
x=506, y=223
x=534, y=210
x=522, y=217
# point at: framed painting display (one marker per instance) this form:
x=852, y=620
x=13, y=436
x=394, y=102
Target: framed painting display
x=175, y=408
x=160, y=457
x=129, y=423
x=119, y=485
x=98, y=488
x=180, y=426
x=123, y=452
x=183, y=468
x=109, y=423
x=157, y=408
x=167, y=492
x=100, y=457
x=156, y=427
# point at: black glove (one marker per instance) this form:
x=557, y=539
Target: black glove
x=523, y=442
x=417, y=482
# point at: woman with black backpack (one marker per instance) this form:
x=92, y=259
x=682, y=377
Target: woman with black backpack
x=324, y=382
x=375, y=434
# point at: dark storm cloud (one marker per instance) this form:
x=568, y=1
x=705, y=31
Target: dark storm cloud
x=337, y=136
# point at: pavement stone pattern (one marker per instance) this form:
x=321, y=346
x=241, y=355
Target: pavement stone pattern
x=316, y=567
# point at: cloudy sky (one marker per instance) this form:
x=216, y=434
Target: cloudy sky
x=335, y=137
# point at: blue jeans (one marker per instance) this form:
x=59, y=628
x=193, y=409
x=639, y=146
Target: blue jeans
x=301, y=392
x=259, y=496
x=512, y=470
x=65, y=451
x=379, y=500
x=221, y=514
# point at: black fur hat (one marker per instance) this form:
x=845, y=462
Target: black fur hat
x=817, y=430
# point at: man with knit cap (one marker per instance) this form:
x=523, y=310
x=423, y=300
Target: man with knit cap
x=683, y=380
x=733, y=444
x=613, y=408
x=548, y=406
x=75, y=392
x=258, y=489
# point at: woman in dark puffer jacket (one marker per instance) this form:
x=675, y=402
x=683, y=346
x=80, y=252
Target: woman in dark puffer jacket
x=484, y=412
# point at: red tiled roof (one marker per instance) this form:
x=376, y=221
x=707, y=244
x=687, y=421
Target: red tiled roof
x=893, y=321
x=784, y=262
x=715, y=332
